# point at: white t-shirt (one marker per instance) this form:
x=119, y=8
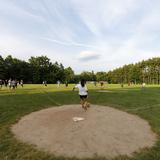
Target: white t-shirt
x=143, y=84
x=82, y=90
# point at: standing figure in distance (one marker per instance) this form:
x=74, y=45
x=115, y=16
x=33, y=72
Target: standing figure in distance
x=21, y=83
x=1, y=83
x=10, y=83
x=58, y=83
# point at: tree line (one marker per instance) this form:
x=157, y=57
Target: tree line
x=147, y=71
x=38, y=69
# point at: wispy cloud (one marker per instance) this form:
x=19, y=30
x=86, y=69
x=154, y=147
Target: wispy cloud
x=70, y=43
x=104, y=14
x=88, y=56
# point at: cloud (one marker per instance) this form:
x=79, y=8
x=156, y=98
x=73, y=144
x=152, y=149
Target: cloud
x=102, y=15
x=88, y=56
x=11, y=9
x=70, y=43
x=18, y=47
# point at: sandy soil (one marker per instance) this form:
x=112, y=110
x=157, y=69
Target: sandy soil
x=105, y=131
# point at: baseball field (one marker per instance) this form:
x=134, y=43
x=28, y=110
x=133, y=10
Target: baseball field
x=142, y=104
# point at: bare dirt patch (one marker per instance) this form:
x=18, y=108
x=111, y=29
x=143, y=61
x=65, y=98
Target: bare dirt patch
x=105, y=131
x=104, y=91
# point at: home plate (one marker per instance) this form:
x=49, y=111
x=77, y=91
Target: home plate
x=76, y=119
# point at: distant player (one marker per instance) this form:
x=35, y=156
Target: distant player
x=21, y=83
x=10, y=83
x=1, y=83
x=102, y=84
x=16, y=83
x=122, y=85
x=143, y=85
x=83, y=93
x=58, y=83
x=66, y=83
x=45, y=83
x=13, y=84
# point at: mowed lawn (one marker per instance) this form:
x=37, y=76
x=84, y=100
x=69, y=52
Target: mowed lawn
x=16, y=103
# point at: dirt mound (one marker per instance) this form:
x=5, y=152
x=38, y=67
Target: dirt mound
x=105, y=131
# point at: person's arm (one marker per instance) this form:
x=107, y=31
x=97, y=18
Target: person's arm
x=74, y=87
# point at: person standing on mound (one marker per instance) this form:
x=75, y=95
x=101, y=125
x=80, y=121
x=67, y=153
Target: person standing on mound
x=83, y=93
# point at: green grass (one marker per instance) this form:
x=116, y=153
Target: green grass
x=15, y=104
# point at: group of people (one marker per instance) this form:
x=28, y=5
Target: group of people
x=58, y=83
x=11, y=83
x=45, y=83
x=83, y=91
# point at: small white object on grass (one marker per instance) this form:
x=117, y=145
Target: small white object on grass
x=76, y=119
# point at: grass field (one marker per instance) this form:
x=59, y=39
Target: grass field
x=15, y=104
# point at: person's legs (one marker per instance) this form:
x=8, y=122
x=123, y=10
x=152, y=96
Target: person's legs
x=83, y=102
x=86, y=103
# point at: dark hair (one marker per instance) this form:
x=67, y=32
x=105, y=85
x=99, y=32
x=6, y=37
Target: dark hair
x=83, y=82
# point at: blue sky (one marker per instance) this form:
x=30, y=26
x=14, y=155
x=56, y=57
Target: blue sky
x=97, y=35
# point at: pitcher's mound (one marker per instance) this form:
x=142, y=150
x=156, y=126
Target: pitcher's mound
x=104, y=131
